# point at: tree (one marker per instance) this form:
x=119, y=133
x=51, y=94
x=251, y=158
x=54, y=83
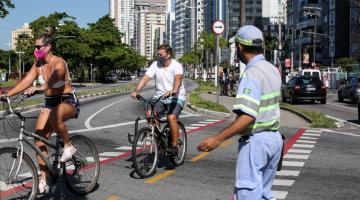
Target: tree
x=347, y=63
x=5, y=5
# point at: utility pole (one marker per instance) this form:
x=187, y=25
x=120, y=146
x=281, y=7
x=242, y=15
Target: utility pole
x=9, y=44
x=19, y=67
x=313, y=12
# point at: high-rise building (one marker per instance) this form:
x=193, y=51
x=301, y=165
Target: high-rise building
x=25, y=29
x=233, y=17
x=150, y=25
x=189, y=24
x=122, y=11
x=170, y=22
x=355, y=29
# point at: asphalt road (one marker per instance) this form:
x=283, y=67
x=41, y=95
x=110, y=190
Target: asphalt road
x=319, y=164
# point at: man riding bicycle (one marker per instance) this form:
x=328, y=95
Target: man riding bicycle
x=168, y=80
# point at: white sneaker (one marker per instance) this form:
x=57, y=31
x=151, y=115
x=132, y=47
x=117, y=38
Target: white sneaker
x=68, y=153
x=43, y=186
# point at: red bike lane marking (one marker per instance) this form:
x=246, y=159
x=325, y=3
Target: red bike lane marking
x=109, y=160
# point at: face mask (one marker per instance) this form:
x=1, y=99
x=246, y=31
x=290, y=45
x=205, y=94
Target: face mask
x=240, y=56
x=39, y=54
x=161, y=60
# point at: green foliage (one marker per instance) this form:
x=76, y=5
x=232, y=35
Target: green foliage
x=4, y=7
x=346, y=63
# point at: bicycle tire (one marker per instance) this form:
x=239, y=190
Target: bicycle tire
x=142, y=168
x=182, y=144
x=84, y=160
x=28, y=176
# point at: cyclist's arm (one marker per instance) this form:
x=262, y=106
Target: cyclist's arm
x=177, y=83
x=25, y=82
x=142, y=83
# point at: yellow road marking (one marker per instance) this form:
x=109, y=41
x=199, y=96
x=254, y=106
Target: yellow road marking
x=160, y=176
x=113, y=198
x=227, y=142
x=200, y=156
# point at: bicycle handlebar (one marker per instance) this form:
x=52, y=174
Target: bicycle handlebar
x=7, y=100
x=151, y=100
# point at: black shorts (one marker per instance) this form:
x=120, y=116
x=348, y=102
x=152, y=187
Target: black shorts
x=173, y=108
x=52, y=101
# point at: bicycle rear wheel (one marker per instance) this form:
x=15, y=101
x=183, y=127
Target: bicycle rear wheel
x=21, y=185
x=81, y=173
x=182, y=144
x=145, y=153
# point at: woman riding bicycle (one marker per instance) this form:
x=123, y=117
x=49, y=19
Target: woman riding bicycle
x=60, y=103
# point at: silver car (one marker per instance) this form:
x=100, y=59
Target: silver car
x=350, y=89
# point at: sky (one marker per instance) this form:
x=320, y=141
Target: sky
x=26, y=11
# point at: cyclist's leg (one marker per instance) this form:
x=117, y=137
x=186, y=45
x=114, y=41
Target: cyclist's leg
x=174, y=111
x=43, y=128
x=59, y=115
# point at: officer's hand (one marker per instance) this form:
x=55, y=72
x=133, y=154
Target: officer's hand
x=168, y=94
x=133, y=94
x=209, y=143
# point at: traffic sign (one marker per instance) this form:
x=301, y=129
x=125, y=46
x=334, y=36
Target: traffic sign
x=218, y=27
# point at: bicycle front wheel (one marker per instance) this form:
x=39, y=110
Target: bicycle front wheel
x=145, y=153
x=81, y=173
x=182, y=144
x=14, y=184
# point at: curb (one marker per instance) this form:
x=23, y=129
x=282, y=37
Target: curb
x=306, y=118
x=208, y=112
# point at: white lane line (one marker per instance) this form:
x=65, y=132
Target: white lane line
x=313, y=131
x=293, y=164
x=342, y=106
x=192, y=127
x=299, y=151
x=187, y=113
x=124, y=148
x=304, y=145
x=306, y=141
x=102, y=158
x=287, y=173
x=342, y=133
x=87, y=121
x=283, y=182
x=312, y=134
x=279, y=194
x=296, y=156
x=204, y=122
x=111, y=154
x=308, y=138
x=212, y=120
x=196, y=124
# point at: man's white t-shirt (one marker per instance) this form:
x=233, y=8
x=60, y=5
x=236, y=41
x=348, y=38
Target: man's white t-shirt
x=165, y=77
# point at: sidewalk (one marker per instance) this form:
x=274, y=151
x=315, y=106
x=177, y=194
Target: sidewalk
x=287, y=119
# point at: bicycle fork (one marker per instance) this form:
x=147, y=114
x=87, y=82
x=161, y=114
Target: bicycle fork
x=19, y=155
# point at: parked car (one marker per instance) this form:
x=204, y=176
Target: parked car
x=111, y=78
x=304, y=88
x=125, y=76
x=350, y=89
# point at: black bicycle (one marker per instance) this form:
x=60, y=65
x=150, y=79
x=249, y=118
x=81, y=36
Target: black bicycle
x=153, y=140
x=19, y=176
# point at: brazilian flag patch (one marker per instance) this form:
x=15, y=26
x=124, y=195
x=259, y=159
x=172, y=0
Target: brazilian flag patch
x=247, y=91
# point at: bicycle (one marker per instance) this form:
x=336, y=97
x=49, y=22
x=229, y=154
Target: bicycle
x=153, y=140
x=19, y=176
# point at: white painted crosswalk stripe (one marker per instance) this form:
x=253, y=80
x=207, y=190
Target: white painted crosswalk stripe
x=306, y=141
x=304, y=145
x=111, y=154
x=313, y=131
x=205, y=122
x=287, y=173
x=296, y=156
x=279, y=194
x=212, y=120
x=196, y=124
x=293, y=164
x=312, y=134
x=308, y=138
x=283, y=182
x=124, y=148
x=191, y=127
x=299, y=151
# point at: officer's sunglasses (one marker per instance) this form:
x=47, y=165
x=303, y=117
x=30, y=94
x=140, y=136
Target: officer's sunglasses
x=38, y=47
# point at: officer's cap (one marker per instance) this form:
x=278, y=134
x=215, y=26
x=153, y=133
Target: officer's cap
x=249, y=35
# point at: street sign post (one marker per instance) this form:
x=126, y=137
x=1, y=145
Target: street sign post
x=218, y=27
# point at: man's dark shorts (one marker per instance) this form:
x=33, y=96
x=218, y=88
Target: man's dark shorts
x=174, y=107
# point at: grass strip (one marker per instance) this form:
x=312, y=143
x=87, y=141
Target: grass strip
x=319, y=120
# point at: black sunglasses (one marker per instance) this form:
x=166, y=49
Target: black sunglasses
x=38, y=47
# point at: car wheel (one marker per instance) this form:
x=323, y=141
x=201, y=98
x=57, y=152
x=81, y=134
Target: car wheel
x=323, y=101
x=283, y=98
x=292, y=99
x=353, y=99
x=312, y=101
x=340, y=97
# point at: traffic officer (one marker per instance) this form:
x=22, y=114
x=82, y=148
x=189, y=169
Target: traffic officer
x=258, y=120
